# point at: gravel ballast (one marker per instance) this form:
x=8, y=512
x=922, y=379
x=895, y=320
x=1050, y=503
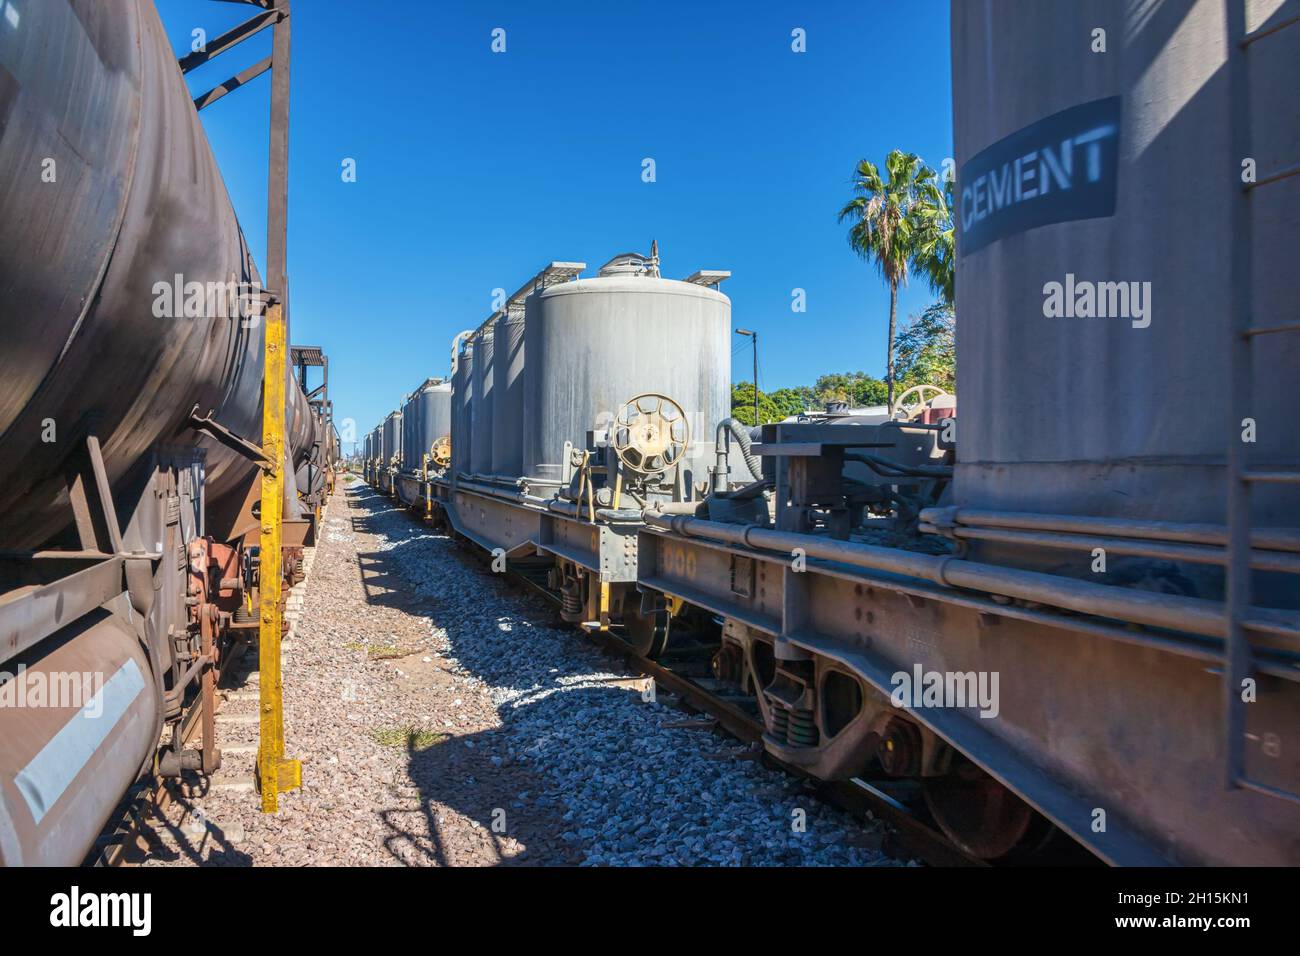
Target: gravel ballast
x=445, y=717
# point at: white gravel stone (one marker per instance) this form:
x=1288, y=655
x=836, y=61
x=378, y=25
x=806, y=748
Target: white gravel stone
x=557, y=765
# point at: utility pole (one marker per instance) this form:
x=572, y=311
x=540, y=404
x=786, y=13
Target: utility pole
x=754, y=338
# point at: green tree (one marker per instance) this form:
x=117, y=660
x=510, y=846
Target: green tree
x=742, y=405
x=857, y=388
x=792, y=401
x=891, y=225
x=926, y=349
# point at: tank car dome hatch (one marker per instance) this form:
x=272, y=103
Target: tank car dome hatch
x=629, y=263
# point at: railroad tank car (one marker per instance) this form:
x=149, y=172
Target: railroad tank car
x=376, y=454
x=481, y=401
x=393, y=437
x=508, y=394
x=129, y=305
x=593, y=344
x=410, y=422
x=426, y=418
x=434, y=422
x=392, y=450
x=1133, y=128
x=134, y=175
x=462, y=390
x=1083, y=183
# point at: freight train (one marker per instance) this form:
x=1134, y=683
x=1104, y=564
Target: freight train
x=1075, y=615
x=130, y=405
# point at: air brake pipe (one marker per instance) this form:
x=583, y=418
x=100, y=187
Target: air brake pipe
x=1164, y=550
x=1194, y=615
x=1274, y=539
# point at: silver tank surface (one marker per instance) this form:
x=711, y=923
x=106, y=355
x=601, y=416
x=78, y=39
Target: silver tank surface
x=1123, y=416
x=426, y=417
x=137, y=200
x=462, y=408
x=508, y=395
x=410, y=424
x=457, y=403
x=392, y=436
x=481, y=403
x=593, y=344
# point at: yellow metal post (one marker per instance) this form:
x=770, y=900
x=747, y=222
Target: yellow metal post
x=275, y=773
x=428, y=490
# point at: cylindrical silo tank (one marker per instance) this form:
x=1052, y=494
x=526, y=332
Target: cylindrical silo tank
x=1078, y=168
x=457, y=399
x=426, y=418
x=435, y=414
x=392, y=437
x=508, y=394
x=462, y=404
x=482, y=402
x=594, y=344
x=411, y=454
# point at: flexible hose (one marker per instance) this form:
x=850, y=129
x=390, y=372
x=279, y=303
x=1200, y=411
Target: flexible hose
x=737, y=431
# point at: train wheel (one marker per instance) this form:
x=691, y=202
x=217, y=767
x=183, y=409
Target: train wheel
x=982, y=816
x=646, y=634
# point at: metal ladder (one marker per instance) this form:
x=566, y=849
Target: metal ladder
x=1239, y=662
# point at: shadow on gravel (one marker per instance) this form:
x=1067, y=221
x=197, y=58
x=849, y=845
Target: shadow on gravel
x=467, y=773
x=169, y=842
x=492, y=777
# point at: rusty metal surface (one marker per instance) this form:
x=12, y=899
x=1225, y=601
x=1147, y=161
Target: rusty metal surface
x=62, y=769
x=28, y=616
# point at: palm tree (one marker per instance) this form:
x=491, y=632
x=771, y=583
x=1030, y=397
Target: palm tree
x=893, y=224
x=938, y=254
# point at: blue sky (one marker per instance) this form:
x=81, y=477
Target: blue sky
x=474, y=169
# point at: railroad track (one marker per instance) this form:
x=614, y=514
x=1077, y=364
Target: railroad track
x=132, y=834
x=125, y=841
x=678, y=680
